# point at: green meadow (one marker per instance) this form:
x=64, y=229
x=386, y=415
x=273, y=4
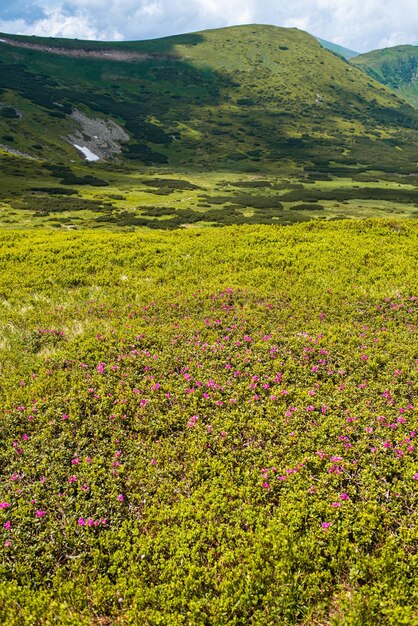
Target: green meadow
x=40, y=195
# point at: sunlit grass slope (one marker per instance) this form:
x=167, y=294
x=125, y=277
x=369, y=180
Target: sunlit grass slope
x=210, y=428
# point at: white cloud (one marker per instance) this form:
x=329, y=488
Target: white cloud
x=357, y=24
x=59, y=24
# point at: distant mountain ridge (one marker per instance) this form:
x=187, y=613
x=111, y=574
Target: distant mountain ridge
x=333, y=47
x=395, y=67
x=219, y=99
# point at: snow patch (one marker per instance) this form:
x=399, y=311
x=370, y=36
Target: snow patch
x=101, y=137
x=90, y=156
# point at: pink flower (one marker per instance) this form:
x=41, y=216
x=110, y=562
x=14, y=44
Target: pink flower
x=81, y=521
x=336, y=504
x=325, y=525
x=415, y=476
x=121, y=498
x=7, y=544
x=344, y=496
x=101, y=367
x=40, y=513
x=153, y=462
x=7, y=525
x=266, y=486
x=4, y=505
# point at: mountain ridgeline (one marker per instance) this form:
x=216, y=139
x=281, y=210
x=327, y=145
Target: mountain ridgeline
x=346, y=53
x=220, y=99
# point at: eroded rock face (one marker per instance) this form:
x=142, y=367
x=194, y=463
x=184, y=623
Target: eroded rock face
x=110, y=54
x=101, y=137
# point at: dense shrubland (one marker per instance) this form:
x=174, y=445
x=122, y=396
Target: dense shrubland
x=214, y=427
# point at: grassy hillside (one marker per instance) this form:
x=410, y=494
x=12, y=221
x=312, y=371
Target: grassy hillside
x=212, y=99
x=396, y=68
x=252, y=124
x=210, y=428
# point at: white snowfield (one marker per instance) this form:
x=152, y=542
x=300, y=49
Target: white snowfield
x=90, y=156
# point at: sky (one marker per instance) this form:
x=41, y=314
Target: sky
x=360, y=25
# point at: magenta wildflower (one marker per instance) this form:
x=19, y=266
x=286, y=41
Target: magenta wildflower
x=7, y=544
x=121, y=498
x=40, y=513
x=4, y=505
x=7, y=525
x=101, y=367
x=325, y=525
x=415, y=476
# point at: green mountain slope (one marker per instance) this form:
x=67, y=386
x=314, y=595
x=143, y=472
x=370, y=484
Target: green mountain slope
x=333, y=47
x=217, y=99
x=396, y=67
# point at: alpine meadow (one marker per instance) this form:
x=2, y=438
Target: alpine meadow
x=208, y=331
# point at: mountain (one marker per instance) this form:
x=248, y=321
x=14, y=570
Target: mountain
x=396, y=67
x=346, y=53
x=245, y=96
